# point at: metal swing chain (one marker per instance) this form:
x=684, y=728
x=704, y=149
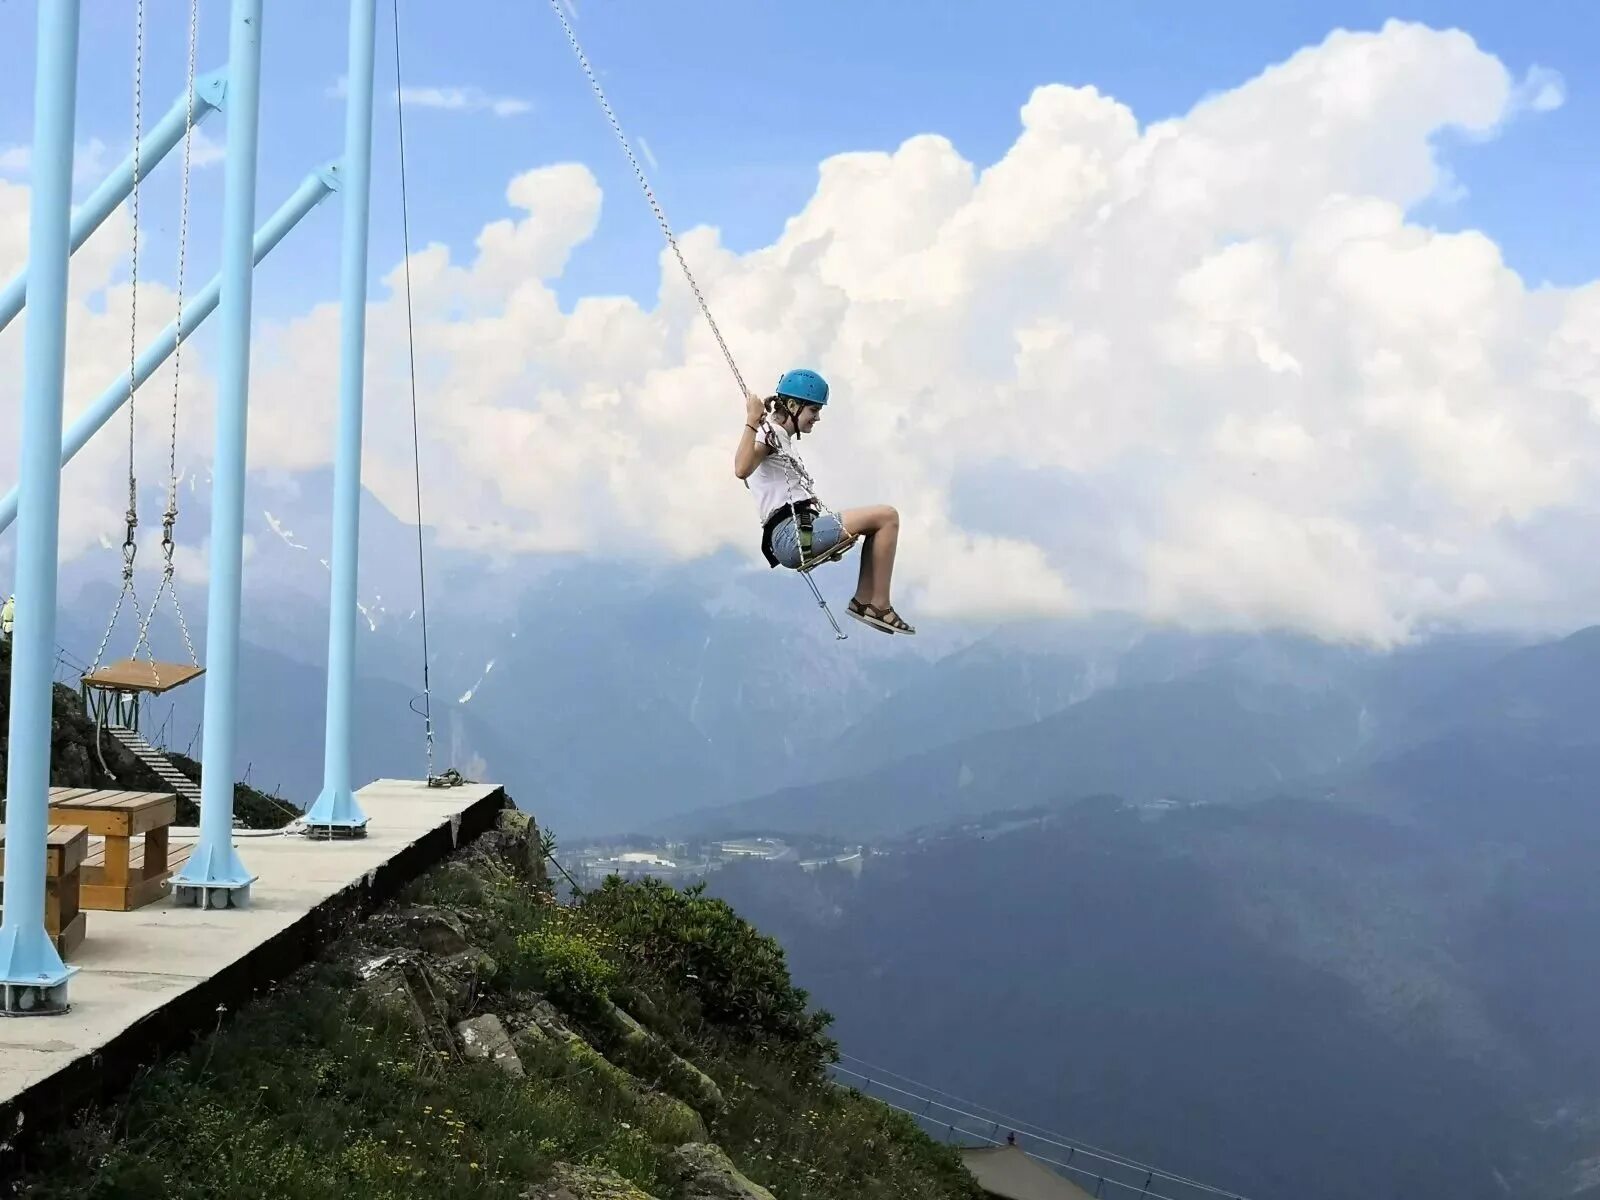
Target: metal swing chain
x=169, y=519
x=666, y=229
x=650, y=195
x=130, y=545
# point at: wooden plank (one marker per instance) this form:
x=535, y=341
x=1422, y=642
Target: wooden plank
x=131, y=675
x=70, y=938
x=155, y=853
x=59, y=795
x=108, y=799
x=113, y=898
x=132, y=801
x=177, y=854
x=118, y=814
x=62, y=901
x=105, y=822
x=115, y=872
x=143, y=886
x=68, y=845
x=65, y=846
x=72, y=844
x=154, y=816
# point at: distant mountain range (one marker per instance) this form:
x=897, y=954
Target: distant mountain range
x=1168, y=717
x=1363, y=965
x=1356, y=954
x=611, y=698
x=1284, y=998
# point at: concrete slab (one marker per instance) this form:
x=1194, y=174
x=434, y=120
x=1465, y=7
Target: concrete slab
x=151, y=979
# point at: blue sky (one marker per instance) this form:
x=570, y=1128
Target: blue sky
x=1292, y=417
x=739, y=102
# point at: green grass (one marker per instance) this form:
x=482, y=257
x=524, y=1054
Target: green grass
x=317, y=1092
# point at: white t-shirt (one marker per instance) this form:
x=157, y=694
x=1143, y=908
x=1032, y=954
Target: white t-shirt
x=780, y=478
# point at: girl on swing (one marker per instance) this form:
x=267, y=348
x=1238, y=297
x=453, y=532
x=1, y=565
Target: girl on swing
x=765, y=459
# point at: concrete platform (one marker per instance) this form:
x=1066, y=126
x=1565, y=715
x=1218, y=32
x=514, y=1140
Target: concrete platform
x=150, y=980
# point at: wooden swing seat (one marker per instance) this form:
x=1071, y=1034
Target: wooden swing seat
x=834, y=555
x=135, y=675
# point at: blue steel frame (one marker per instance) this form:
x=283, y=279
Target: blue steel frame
x=316, y=188
x=336, y=812
x=209, y=91
x=33, y=979
x=214, y=876
x=32, y=975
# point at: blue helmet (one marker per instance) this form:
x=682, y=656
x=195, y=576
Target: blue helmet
x=805, y=386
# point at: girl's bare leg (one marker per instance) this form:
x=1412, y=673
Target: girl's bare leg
x=880, y=526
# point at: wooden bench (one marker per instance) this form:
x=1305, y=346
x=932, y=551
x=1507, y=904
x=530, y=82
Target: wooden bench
x=112, y=879
x=65, y=851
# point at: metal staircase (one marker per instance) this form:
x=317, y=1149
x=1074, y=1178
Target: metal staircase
x=134, y=743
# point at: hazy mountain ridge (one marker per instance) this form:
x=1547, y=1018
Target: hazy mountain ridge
x=1235, y=992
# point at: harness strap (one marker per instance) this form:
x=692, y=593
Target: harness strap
x=805, y=517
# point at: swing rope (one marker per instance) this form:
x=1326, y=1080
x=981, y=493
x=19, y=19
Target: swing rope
x=451, y=777
x=638, y=171
x=130, y=545
x=169, y=518
x=787, y=457
x=130, y=549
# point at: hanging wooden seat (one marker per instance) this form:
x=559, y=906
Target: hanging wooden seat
x=829, y=556
x=111, y=694
x=137, y=675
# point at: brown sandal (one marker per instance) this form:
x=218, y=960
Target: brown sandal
x=892, y=618
x=884, y=619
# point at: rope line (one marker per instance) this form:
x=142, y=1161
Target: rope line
x=655, y=206
x=130, y=545
x=169, y=519
x=666, y=229
x=411, y=353
x=133, y=299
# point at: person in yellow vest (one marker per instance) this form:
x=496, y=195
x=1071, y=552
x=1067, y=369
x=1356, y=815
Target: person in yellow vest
x=8, y=615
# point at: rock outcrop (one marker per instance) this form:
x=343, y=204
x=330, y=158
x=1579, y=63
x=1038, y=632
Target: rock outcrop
x=585, y=1183
x=706, y=1174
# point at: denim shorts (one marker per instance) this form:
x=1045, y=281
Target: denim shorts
x=826, y=532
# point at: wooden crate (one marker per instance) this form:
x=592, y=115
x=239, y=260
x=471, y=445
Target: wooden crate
x=112, y=878
x=66, y=850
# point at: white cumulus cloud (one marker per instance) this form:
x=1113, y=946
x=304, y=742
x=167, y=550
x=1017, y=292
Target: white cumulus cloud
x=466, y=99
x=1205, y=369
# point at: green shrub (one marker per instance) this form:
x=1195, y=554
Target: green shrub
x=700, y=945
x=564, y=964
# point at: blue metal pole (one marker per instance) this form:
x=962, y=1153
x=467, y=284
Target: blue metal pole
x=168, y=132
x=214, y=876
x=33, y=979
x=336, y=812
x=312, y=192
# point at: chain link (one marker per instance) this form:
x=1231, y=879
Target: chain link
x=650, y=195
x=661, y=219
x=169, y=519
x=133, y=317
x=130, y=547
x=130, y=544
